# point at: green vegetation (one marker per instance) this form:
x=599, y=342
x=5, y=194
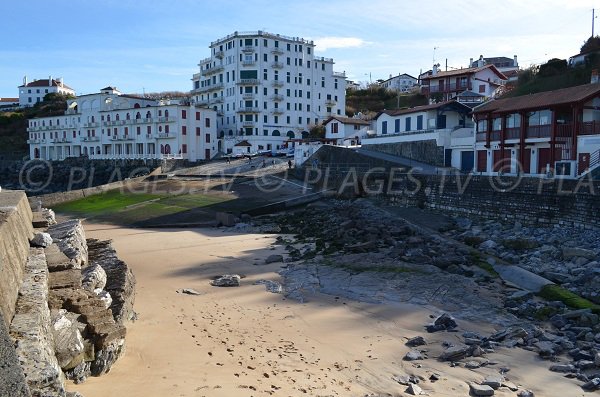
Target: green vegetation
x=554, y=292
x=143, y=208
x=473, y=241
x=520, y=244
x=478, y=261
x=375, y=99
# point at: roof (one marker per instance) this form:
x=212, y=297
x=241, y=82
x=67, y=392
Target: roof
x=400, y=75
x=459, y=72
x=243, y=143
x=46, y=83
x=424, y=108
x=470, y=94
x=347, y=120
x=9, y=100
x=541, y=100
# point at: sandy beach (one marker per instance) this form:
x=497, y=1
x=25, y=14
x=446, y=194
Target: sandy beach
x=246, y=341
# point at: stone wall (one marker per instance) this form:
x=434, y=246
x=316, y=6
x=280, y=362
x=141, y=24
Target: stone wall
x=424, y=151
x=15, y=233
x=12, y=380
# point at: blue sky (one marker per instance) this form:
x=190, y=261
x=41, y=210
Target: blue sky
x=155, y=45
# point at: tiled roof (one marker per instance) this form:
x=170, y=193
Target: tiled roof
x=9, y=100
x=46, y=83
x=459, y=72
x=347, y=120
x=424, y=108
x=243, y=143
x=541, y=100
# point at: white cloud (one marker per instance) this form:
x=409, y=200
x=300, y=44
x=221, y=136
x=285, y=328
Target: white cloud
x=325, y=43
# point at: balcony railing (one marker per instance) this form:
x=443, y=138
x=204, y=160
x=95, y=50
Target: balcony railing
x=166, y=119
x=341, y=75
x=277, y=65
x=248, y=123
x=247, y=109
x=590, y=128
x=248, y=95
x=277, y=98
x=277, y=51
x=248, y=62
x=212, y=70
x=277, y=111
x=219, y=54
x=248, y=82
x=165, y=135
x=480, y=137
x=539, y=131
x=330, y=102
x=248, y=48
x=218, y=86
x=446, y=87
x=91, y=139
x=512, y=133
x=277, y=83
x=91, y=125
x=218, y=99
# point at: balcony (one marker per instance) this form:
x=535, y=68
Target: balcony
x=248, y=110
x=277, y=98
x=33, y=141
x=248, y=124
x=248, y=49
x=277, y=51
x=248, y=82
x=91, y=125
x=446, y=87
x=202, y=102
x=277, y=111
x=61, y=140
x=277, y=65
x=341, y=75
x=90, y=139
x=590, y=128
x=277, y=83
x=248, y=95
x=248, y=62
x=219, y=54
x=164, y=135
x=218, y=99
x=212, y=70
x=166, y=119
x=481, y=137
x=330, y=102
x=214, y=87
x=538, y=131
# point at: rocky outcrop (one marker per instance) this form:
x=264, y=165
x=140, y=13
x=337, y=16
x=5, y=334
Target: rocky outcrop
x=120, y=281
x=31, y=330
x=12, y=380
x=70, y=238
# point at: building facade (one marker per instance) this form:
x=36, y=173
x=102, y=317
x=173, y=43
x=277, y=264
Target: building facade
x=444, y=127
x=267, y=88
x=33, y=92
x=345, y=131
x=111, y=125
x=548, y=133
x=485, y=80
x=401, y=83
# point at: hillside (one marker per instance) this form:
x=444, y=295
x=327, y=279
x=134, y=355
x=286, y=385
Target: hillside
x=374, y=99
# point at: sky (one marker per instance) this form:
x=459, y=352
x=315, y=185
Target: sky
x=155, y=45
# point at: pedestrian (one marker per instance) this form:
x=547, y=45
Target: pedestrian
x=264, y=164
x=273, y=162
x=290, y=164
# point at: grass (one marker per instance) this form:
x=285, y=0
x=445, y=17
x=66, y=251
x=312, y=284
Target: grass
x=553, y=292
x=131, y=208
x=478, y=261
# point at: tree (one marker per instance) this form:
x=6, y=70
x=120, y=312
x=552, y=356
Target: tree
x=553, y=67
x=590, y=45
x=317, y=131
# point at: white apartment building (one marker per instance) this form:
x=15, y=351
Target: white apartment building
x=111, y=125
x=401, y=83
x=33, y=92
x=267, y=88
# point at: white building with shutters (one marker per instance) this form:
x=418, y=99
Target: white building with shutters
x=112, y=125
x=267, y=88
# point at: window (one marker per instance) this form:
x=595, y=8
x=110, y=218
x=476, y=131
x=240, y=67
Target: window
x=420, y=122
x=149, y=130
x=139, y=130
x=407, y=122
x=384, y=127
x=184, y=148
x=207, y=138
x=197, y=115
x=167, y=128
x=207, y=122
x=183, y=114
x=197, y=131
x=482, y=88
x=183, y=130
x=397, y=125
x=334, y=128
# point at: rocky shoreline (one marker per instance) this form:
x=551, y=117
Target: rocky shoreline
x=72, y=306
x=360, y=250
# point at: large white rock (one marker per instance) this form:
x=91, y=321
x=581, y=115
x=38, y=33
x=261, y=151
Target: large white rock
x=41, y=240
x=93, y=277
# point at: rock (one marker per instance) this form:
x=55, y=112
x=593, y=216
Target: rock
x=107, y=356
x=402, y=379
x=463, y=224
x=597, y=359
x=546, y=349
x=434, y=377
x=563, y=368
x=68, y=342
x=70, y=238
x=481, y=390
x=93, y=277
x=104, y=296
x=65, y=279
x=455, y=353
x=413, y=355
x=525, y=393
x=493, y=381
x=509, y=333
x=472, y=364
x=585, y=365
x=271, y=286
x=274, y=259
x=226, y=280
x=226, y=219
x=414, y=390
x=591, y=385
x=42, y=240
x=416, y=341
x=188, y=291
x=511, y=386
x=443, y=322
x=488, y=245
x=574, y=252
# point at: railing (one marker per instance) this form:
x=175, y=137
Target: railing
x=480, y=137
x=165, y=135
x=277, y=83
x=248, y=123
x=538, y=131
x=262, y=34
x=277, y=65
x=277, y=51
x=171, y=156
x=446, y=87
x=212, y=70
x=495, y=136
x=196, y=76
x=219, y=54
x=330, y=102
x=218, y=86
x=594, y=159
x=564, y=130
x=248, y=48
x=91, y=139
x=341, y=75
x=218, y=99
x=248, y=95
x=91, y=125
x=248, y=62
x=166, y=119
x=248, y=82
x=248, y=110
x=512, y=133
x=277, y=98
x=590, y=128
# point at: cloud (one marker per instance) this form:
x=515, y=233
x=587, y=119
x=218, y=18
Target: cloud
x=325, y=43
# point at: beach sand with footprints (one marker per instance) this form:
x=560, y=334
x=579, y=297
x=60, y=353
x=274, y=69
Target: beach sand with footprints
x=246, y=341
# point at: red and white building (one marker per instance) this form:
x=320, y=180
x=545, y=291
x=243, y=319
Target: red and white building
x=548, y=133
x=345, y=131
x=485, y=80
x=112, y=125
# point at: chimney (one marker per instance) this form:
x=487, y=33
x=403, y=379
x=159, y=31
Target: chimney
x=434, y=71
x=480, y=62
x=515, y=63
x=50, y=80
x=24, y=80
x=594, y=79
x=470, y=62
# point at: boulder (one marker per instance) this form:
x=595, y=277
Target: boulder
x=414, y=390
x=525, y=393
x=443, y=322
x=416, y=341
x=70, y=238
x=274, y=258
x=493, y=381
x=563, y=368
x=42, y=240
x=68, y=342
x=455, y=353
x=188, y=291
x=591, y=385
x=575, y=252
x=104, y=296
x=93, y=277
x=226, y=219
x=488, y=245
x=413, y=355
x=226, y=280
x=481, y=390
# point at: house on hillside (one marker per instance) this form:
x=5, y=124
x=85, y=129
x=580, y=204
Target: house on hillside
x=33, y=92
x=440, y=134
x=401, y=83
x=345, y=131
x=507, y=66
x=7, y=104
x=486, y=80
x=555, y=132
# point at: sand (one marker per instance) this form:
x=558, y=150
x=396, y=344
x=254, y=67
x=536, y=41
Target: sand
x=245, y=341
